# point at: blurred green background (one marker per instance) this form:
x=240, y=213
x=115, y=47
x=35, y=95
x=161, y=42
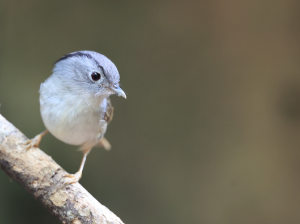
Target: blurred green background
x=210, y=131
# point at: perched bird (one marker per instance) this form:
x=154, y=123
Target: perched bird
x=75, y=104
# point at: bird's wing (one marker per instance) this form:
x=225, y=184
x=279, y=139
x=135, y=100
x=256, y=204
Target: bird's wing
x=108, y=115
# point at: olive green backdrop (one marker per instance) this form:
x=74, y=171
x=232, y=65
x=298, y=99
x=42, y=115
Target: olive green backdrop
x=210, y=131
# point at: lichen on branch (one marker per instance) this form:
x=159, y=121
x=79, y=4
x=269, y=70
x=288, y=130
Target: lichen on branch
x=42, y=177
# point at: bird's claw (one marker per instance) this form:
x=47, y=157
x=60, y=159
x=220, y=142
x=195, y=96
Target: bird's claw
x=72, y=178
x=32, y=143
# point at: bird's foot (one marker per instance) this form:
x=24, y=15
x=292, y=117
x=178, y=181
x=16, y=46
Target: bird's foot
x=33, y=143
x=73, y=178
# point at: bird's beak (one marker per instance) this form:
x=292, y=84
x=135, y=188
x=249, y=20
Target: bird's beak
x=118, y=90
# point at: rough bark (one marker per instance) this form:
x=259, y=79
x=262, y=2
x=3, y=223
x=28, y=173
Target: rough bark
x=42, y=177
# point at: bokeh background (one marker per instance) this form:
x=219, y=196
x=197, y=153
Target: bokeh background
x=210, y=131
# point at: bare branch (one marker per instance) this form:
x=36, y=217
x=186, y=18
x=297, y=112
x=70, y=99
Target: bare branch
x=42, y=177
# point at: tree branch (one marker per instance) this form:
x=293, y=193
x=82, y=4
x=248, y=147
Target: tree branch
x=42, y=177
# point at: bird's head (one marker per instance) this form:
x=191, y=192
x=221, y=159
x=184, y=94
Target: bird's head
x=88, y=72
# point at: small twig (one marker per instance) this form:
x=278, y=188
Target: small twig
x=42, y=177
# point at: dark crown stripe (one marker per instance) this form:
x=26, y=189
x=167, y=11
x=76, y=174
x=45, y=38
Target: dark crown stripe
x=80, y=54
x=76, y=54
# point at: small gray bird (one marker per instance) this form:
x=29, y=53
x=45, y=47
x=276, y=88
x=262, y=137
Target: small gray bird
x=75, y=104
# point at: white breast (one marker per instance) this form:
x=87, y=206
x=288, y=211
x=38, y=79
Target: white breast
x=72, y=119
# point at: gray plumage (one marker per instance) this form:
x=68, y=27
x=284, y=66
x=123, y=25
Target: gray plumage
x=73, y=105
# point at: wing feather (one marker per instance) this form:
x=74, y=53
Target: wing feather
x=108, y=115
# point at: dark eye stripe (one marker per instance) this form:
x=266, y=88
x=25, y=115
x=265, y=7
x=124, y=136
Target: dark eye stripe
x=102, y=69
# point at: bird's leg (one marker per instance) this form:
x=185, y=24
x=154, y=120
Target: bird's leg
x=74, y=178
x=35, y=141
x=106, y=145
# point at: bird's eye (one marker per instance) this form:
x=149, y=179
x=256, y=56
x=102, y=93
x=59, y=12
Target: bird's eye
x=95, y=76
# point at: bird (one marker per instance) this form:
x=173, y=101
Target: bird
x=75, y=102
